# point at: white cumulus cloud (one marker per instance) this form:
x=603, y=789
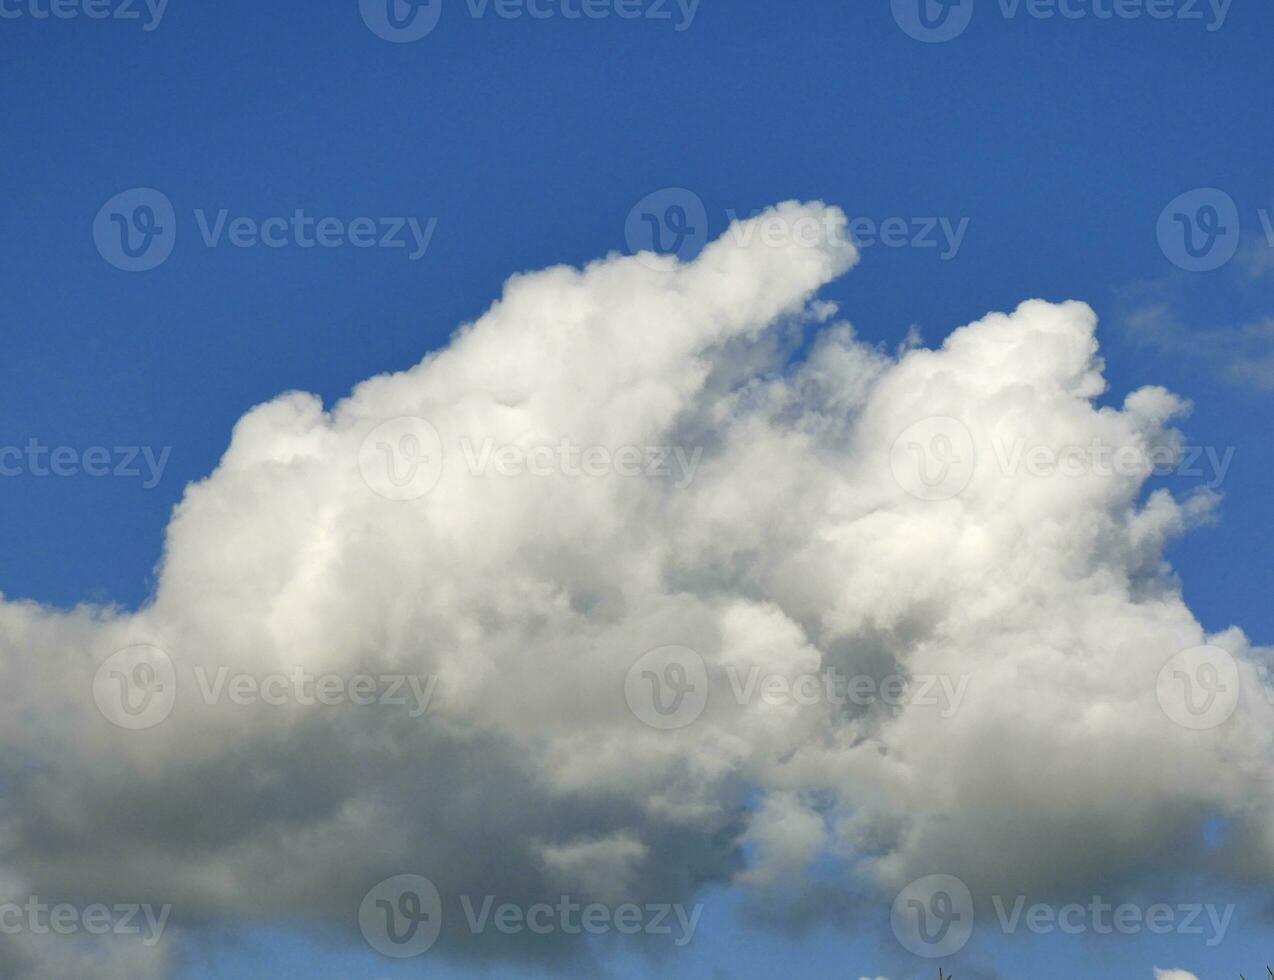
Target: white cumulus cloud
x=637, y=455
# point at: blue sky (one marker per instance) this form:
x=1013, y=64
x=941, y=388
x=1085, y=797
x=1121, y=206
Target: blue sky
x=528, y=142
